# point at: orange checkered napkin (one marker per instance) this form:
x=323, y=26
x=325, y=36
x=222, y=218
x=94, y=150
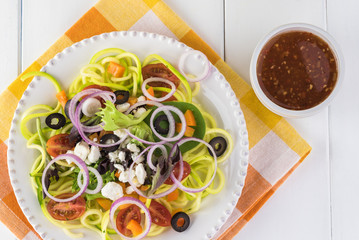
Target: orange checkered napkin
x=276, y=149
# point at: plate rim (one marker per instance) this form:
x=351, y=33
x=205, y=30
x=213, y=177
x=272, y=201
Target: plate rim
x=235, y=105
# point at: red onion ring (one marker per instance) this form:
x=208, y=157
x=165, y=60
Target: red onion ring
x=157, y=79
x=72, y=109
x=150, y=153
x=131, y=200
x=139, y=192
x=171, y=123
x=146, y=102
x=80, y=127
x=205, y=72
x=99, y=181
x=83, y=168
x=178, y=183
x=171, y=130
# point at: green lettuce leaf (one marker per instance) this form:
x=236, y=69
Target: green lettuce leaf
x=115, y=119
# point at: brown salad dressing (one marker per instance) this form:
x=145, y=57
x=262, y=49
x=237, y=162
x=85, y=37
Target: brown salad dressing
x=297, y=70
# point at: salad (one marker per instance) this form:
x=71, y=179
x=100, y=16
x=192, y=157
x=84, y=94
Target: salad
x=127, y=150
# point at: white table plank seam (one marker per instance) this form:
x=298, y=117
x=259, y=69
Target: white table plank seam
x=20, y=38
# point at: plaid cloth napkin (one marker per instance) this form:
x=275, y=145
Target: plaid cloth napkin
x=276, y=149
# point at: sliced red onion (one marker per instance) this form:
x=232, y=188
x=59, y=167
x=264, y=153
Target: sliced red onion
x=177, y=182
x=157, y=79
x=207, y=66
x=131, y=200
x=83, y=169
x=150, y=153
x=147, y=102
x=139, y=192
x=72, y=108
x=170, y=118
x=79, y=126
x=99, y=181
x=170, y=121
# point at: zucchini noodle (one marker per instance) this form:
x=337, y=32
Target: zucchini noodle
x=96, y=217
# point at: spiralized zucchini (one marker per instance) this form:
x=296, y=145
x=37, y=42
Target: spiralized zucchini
x=96, y=218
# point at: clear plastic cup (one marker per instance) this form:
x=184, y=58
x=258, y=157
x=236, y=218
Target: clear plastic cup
x=288, y=28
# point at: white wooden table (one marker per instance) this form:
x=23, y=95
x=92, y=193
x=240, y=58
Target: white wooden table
x=320, y=201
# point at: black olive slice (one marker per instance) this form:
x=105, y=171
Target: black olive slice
x=67, y=105
x=108, y=139
x=175, y=224
x=55, y=120
x=121, y=96
x=157, y=124
x=219, y=145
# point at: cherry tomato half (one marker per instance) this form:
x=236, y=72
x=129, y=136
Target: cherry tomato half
x=66, y=211
x=59, y=144
x=176, y=169
x=159, y=70
x=160, y=214
x=125, y=216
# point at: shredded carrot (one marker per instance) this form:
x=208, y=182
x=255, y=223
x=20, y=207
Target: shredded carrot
x=123, y=206
x=144, y=187
x=132, y=100
x=190, y=120
x=117, y=174
x=189, y=131
x=104, y=203
x=142, y=199
x=135, y=227
x=116, y=69
x=173, y=196
x=151, y=91
x=61, y=96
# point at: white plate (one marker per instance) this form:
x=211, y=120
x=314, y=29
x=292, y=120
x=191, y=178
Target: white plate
x=216, y=96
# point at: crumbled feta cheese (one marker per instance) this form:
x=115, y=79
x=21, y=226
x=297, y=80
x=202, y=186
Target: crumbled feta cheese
x=112, y=191
x=123, y=107
x=69, y=152
x=124, y=143
x=133, y=147
x=119, y=167
x=139, y=112
x=129, y=190
x=82, y=150
x=122, y=156
x=94, y=154
x=141, y=98
x=140, y=173
x=121, y=133
x=135, y=181
x=124, y=176
x=113, y=156
x=135, y=155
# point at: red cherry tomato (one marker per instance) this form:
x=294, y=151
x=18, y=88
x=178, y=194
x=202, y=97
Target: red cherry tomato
x=59, y=144
x=125, y=216
x=66, y=211
x=159, y=70
x=186, y=172
x=160, y=214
